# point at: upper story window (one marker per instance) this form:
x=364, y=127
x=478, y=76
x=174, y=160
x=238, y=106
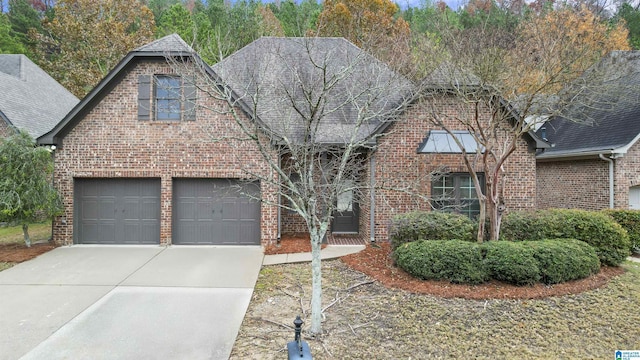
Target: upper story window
x=168, y=97
x=456, y=193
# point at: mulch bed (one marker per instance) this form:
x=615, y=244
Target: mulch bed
x=291, y=244
x=16, y=253
x=375, y=261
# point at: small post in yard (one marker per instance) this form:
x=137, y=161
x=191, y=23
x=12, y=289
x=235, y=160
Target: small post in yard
x=297, y=348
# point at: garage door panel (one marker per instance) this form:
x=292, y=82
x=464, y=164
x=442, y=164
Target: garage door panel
x=221, y=212
x=229, y=210
x=90, y=210
x=117, y=211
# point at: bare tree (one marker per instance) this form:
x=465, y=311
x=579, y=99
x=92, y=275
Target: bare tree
x=500, y=92
x=312, y=108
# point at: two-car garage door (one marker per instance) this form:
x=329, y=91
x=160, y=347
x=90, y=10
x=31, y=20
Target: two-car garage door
x=205, y=211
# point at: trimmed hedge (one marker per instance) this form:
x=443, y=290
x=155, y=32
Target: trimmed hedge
x=455, y=260
x=561, y=260
x=431, y=225
x=519, y=263
x=608, y=238
x=630, y=221
x=512, y=262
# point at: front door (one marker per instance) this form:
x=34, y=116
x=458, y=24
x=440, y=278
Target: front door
x=346, y=217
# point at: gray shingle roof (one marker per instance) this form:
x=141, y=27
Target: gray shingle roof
x=603, y=117
x=279, y=77
x=168, y=43
x=30, y=98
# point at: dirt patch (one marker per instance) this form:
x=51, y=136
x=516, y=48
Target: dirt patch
x=375, y=261
x=291, y=244
x=17, y=253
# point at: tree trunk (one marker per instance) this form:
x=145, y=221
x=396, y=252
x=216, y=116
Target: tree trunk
x=495, y=208
x=481, y=217
x=316, y=282
x=25, y=231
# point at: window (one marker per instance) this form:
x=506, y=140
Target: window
x=168, y=100
x=442, y=142
x=166, y=97
x=456, y=193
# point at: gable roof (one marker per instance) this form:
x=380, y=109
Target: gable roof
x=602, y=119
x=275, y=76
x=449, y=78
x=170, y=45
x=30, y=99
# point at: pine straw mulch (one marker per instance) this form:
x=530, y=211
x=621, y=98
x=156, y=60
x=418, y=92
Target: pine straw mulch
x=19, y=252
x=375, y=261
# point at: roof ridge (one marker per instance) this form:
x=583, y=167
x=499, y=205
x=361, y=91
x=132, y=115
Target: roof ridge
x=171, y=42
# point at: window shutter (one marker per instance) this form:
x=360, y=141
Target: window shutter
x=189, y=99
x=144, y=97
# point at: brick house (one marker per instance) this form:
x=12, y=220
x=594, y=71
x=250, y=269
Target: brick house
x=595, y=158
x=30, y=99
x=142, y=159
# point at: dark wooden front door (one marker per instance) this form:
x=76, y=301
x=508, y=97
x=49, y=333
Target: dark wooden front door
x=346, y=218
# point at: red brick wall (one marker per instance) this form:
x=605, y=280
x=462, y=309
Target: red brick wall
x=5, y=129
x=579, y=184
x=627, y=174
x=111, y=142
x=403, y=177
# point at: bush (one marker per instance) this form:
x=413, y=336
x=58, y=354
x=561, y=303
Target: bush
x=630, y=221
x=561, y=260
x=608, y=238
x=454, y=260
x=511, y=262
x=431, y=225
x=519, y=263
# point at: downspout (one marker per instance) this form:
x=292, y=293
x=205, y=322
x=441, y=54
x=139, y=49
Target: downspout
x=279, y=210
x=53, y=184
x=372, y=200
x=611, y=183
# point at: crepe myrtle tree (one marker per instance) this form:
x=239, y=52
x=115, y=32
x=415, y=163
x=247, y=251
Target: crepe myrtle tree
x=312, y=108
x=500, y=87
x=26, y=190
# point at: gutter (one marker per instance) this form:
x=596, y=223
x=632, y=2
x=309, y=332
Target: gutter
x=611, y=182
x=565, y=155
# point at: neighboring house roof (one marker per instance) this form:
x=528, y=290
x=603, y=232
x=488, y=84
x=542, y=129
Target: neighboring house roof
x=30, y=99
x=170, y=45
x=272, y=76
x=601, y=119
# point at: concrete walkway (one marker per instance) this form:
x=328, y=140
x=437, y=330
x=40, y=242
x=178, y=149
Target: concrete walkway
x=127, y=302
x=330, y=252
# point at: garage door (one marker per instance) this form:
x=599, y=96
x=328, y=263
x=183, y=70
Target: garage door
x=117, y=211
x=215, y=212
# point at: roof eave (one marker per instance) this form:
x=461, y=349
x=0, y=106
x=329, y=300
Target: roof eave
x=574, y=155
x=625, y=148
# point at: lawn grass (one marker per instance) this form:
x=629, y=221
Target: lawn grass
x=374, y=322
x=37, y=232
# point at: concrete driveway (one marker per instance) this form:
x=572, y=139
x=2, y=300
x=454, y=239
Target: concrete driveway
x=127, y=302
